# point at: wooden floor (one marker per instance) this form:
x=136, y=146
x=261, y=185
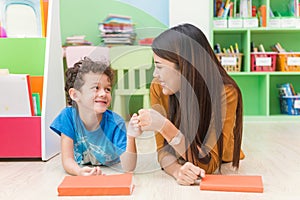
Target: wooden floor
x=272, y=150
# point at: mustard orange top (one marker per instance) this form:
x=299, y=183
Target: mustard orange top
x=159, y=102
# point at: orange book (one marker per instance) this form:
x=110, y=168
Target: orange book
x=263, y=12
x=115, y=184
x=232, y=183
x=36, y=84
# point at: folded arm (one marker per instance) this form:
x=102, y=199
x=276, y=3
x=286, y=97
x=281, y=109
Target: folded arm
x=69, y=163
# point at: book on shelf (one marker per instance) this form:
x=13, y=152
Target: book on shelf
x=113, y=28
x=232, y=183
x=218, y=4
x=16, y=98
x=114, y=18
x=294, y=8
x=226, y=9
x=77, y=40
x=36, y=104
x=117, y=40
x=114, y=184
x=146, y=41
x=117, y=30
x=117, y=35
x=116, y=24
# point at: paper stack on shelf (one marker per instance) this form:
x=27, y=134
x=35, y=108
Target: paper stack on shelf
x=117, y=30
x=77, y=40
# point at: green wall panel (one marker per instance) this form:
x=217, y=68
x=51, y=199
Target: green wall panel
x=81, y=17
x=23, y=55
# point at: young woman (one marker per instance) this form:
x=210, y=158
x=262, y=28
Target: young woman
x=197, y=106
x=90, y=133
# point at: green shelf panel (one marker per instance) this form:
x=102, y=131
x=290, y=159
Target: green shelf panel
x=287, y=38
x=258, y=3
x=95, y=11
x=254, y=93
x=274, y=96
x=23, y=55
x=282, y=7
x=227, y=38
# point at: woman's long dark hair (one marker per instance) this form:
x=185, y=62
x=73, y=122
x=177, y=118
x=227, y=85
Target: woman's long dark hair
x=197, y=108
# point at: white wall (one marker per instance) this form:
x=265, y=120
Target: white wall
x=196, y=12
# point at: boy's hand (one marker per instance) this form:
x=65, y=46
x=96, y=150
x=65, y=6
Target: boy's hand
x=90, y=171
x=134, y=130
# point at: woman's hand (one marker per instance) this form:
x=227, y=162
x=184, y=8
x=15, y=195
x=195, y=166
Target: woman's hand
x=151, y=120
x=90, y=171
x=188, y=174
x=134, y=130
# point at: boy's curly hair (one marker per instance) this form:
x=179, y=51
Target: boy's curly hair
x=74, y=75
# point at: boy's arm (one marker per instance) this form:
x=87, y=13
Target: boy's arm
x=69, y=164
x=129, y=157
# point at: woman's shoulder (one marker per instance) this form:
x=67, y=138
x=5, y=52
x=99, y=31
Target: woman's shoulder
x=155, y=87
x=230, y=90
x=230, y=95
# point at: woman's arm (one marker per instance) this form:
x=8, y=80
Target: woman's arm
x=69, y=164
x=185, y=174
x=151, y=120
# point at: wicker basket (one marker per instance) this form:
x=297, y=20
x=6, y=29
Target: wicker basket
x=231, y=62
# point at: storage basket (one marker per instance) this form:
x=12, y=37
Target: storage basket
x=290, y=105
x=263, y=61
x=232, y=62
x=288, y=62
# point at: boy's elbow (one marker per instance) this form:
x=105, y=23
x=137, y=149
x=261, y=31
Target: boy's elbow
x=128, y=168
x=128, y=162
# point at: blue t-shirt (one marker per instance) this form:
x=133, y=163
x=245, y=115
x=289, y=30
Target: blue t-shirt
x=102, y=146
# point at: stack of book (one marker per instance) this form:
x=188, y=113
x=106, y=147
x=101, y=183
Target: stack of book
x=77, y=40
x=117, y=30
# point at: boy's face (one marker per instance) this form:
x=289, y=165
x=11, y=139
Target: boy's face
x=95, y=94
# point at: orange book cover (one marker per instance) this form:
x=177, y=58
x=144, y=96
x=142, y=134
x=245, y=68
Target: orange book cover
x=263, y=11
x=232, y=183
x=36, y=84
x=115, y=184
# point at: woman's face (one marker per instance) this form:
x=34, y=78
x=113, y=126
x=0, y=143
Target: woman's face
x=167, y=74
